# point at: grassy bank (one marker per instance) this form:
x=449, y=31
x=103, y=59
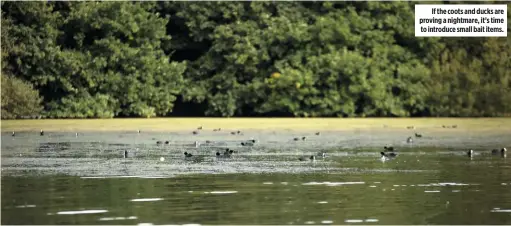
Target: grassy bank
x=189, y=124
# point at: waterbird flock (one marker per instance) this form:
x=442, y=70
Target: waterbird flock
x=388, y=153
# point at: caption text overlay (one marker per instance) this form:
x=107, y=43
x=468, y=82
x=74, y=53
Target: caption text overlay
x=460, y=20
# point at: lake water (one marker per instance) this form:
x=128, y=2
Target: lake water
x=59, y=178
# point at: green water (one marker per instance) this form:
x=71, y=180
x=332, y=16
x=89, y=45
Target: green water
x=82, y=182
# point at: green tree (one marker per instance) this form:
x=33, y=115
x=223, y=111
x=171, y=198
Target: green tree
x=19, y=99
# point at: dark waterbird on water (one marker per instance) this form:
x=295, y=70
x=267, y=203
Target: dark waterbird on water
x=13, y=133
x=167, y=142
x=42, y=133
x=388, y=148
x=199, y=128
x=321, y=154
x=227, y=150
x=418, y=135
x=318, y=133
x=188, y=155
x=158, y=142
x=250, y=142
x=247, y=144
x=195, y=132
x=387, y=156
x=470, y=153
x=311, y=158
x=501, y=151
x=125, y=154
x=227, y=154
x=409, y=140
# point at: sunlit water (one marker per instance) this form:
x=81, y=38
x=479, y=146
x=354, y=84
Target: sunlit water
x=63, y=179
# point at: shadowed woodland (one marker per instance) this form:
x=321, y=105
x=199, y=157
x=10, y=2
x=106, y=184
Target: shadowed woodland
x=306, y=59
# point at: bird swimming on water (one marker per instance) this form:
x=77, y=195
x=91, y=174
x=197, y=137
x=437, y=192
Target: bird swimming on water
x=13, y=133
x=409, y=140
x=311, y=158
x=125, y=153
x=418, y=135
x=321, y=154
x=247, y=143
x=42, y=133
x=188, y=155
x=501, y=151
x=388, y=148
x=387, y=156
x=470, y=153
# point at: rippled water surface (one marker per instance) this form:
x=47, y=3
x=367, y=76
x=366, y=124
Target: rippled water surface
x=61, y=178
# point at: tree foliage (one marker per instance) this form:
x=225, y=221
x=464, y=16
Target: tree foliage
x=310, y=59
x=19, y=99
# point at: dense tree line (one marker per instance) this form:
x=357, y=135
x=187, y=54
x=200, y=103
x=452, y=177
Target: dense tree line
x=312, y=59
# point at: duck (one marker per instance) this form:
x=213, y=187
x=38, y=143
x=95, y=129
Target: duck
x=387, y=156
x=409, y=140
x=410, y=127
x=388, y=148
x=225, y=155
x=42, y=133
x=227, y=150
x=318, y=133
x=418, y=135
x=470, y=153
x=125, y=153
x=13, y=134
x=501, y=151
x=296, y=139
x=199, y=128
x=195, y=132
x=311, y=158
x=167, y=142
x=188, y=155
x=303, y=138
x=321, y=154
x=158, y=142
x=138, y=131
x=247, y=144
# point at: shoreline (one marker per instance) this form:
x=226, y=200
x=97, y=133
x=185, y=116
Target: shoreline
x=257, y=124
